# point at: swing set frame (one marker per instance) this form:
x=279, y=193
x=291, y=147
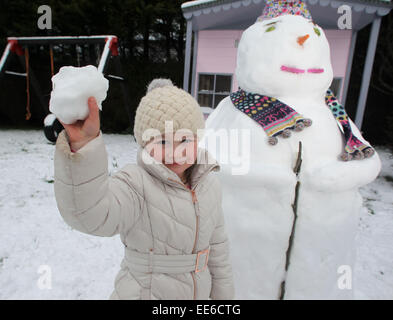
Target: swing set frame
x=19, y=46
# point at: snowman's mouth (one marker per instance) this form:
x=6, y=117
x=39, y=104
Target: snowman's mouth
x=297, y=70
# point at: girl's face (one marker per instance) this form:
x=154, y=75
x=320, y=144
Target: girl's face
x=177, y=151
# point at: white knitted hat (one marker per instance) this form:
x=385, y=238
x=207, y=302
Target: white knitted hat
x=166, y=102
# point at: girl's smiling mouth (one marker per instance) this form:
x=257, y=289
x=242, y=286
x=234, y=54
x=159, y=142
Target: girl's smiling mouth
x=297, y=70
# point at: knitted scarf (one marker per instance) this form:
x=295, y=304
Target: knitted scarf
x=279, y=119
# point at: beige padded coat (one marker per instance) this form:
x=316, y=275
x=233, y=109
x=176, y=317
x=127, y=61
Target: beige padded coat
x=164, y=226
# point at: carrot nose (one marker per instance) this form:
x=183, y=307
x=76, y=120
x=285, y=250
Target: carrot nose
x=301, y=40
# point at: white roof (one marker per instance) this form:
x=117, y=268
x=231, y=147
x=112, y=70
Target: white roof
x=195, y=3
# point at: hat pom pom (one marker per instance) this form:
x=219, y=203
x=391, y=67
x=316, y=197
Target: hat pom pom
x=159, y=83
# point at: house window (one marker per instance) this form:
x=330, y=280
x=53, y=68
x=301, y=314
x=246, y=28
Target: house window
x=212, y=88
x=336, y=86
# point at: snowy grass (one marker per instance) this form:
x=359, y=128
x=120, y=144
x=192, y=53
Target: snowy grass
x=33, y=234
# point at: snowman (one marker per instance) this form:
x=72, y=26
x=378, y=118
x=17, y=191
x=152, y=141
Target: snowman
x=292, y=215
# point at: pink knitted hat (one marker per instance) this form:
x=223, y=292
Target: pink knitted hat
x=275, y=8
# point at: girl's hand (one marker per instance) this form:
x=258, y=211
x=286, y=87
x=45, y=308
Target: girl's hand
x=82, y=131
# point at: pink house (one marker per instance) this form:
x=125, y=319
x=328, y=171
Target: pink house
x=214, y=28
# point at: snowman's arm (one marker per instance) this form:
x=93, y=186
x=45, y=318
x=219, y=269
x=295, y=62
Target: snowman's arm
x=344, y=175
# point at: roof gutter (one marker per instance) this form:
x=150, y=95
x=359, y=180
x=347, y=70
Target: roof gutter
x=197, y=7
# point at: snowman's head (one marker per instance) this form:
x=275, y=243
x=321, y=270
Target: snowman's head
x=284, y=56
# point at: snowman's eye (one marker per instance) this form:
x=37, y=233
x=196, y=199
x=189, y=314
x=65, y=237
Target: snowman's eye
x=316, y=30
x=270, y=29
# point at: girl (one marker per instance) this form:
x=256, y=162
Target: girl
x=166, y=208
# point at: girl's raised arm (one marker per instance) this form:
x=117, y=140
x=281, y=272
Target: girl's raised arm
x=88, y=199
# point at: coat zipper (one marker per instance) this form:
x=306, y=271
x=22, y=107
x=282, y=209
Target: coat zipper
x=194, y=200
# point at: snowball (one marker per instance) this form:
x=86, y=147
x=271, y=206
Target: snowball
x=72, y=86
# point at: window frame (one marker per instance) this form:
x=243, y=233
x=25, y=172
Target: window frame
x=214, y=86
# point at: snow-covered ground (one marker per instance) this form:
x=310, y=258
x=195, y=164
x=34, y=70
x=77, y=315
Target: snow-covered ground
x=37, y=245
